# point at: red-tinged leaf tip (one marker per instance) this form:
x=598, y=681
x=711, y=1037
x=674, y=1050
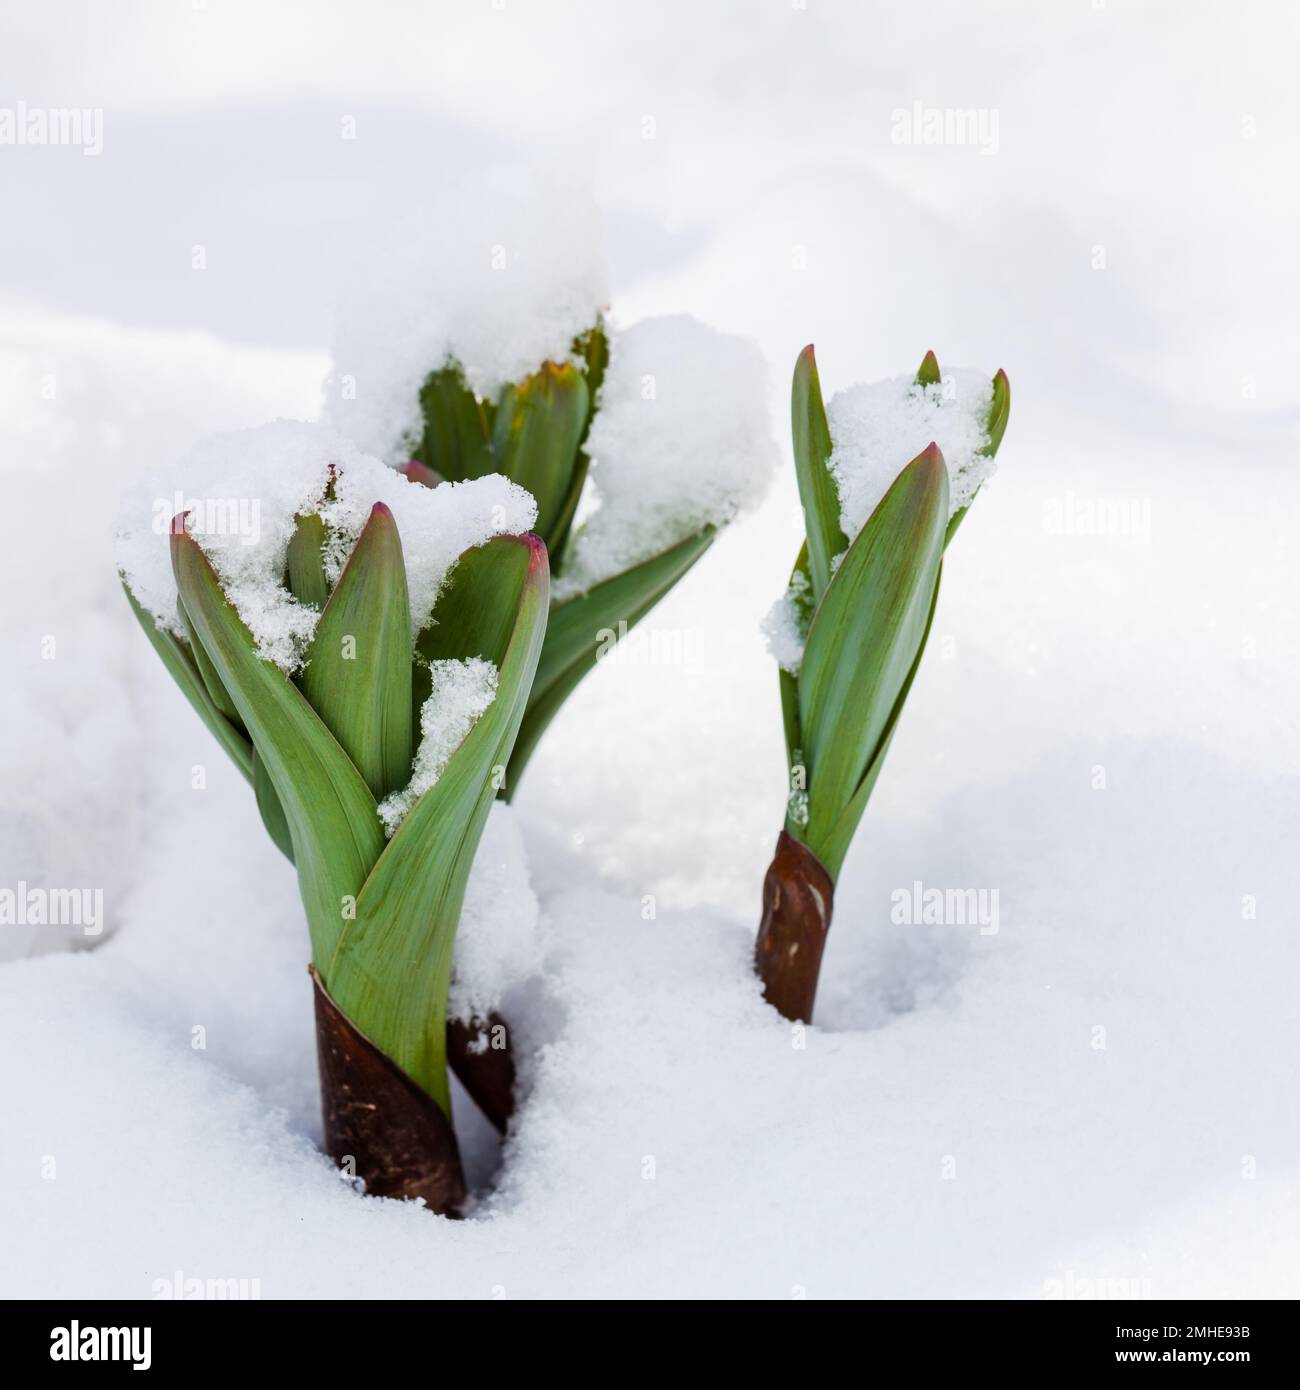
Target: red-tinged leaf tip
x=537, y=556
x=808, y=353
x=178, y=524
x=416, y=472
x=381, y=509
x=1001, y=376
x=932, y=455
x=928, y=373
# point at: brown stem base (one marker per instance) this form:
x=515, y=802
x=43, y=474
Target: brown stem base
x=798, y=895
x=379, y=1125
x=481, y=1058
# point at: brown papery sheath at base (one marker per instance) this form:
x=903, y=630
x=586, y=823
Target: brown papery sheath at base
x=798, y=895
x=395, y=1135
x=487, y=1072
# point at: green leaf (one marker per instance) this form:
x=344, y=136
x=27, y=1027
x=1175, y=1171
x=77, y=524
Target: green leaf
x=593, y=347
x=812, y=452
x=336, y=833
x=216, y=691
x=582, y=627
x=391, y=969
x=305, y=565
x=864, y=640
x=535, y=440
x=928, y=373
x=268, y=804
x=835, y=845
x=358, y=673
x=181, y=666
x=456, y=441
x=790, y=683
x=999, y=412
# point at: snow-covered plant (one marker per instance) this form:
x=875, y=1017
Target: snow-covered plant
x=472, y=337
x=670, y=414
x=666, y=420
x=363, y=650
x=850, y=630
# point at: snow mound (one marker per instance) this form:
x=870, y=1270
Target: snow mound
x=461, y=693
x=245, y=489
x=877, y=429
x=502, y=273
x=680, y=441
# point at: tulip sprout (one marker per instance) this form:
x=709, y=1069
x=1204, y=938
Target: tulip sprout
x=330, y=747
x=851, y=631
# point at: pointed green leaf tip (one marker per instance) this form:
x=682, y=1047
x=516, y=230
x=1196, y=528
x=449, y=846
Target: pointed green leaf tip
x=928, y=373
x=864, y=639
x=539, y=424
x=812, y=453
x=999, y=413
x=358, y=672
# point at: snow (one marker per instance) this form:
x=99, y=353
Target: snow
x=786, y=623
x=460, y=693
x=498, y=943
x=681, y=440
x=436, y=525
x=500, y=271
x=878, y=429
x=245, y=490
x=1103, y=727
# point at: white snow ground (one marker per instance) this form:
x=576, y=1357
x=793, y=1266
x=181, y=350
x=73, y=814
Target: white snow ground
x=951, y=1126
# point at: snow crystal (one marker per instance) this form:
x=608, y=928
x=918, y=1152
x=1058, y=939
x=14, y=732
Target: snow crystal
x=244, y=491
x=680, y=441
x=502, y=273
x=462, y=691
x=498, y=946
x=877, y=429
x=786, y=624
